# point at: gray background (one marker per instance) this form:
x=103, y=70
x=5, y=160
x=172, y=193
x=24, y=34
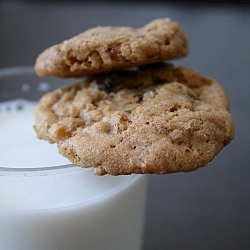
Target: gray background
x=206, y=209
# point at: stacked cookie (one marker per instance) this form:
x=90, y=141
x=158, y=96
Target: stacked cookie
x=132, y=113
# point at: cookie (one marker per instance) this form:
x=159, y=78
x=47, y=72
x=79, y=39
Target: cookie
x=104, y=49
x=155, y=119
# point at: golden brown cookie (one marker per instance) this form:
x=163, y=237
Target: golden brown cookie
x=103, y=49
x=157, y=119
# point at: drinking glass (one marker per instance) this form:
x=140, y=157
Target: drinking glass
x=47, y=203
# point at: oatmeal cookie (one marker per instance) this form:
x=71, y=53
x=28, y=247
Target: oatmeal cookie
x=154, y=119
x=104, y=49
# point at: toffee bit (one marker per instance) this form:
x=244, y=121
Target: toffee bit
x=105, y=86
x=108, y=83
x=114, y=82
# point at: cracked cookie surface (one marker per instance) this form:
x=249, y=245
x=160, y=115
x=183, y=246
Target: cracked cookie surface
x=104, y=49
x=154, y=119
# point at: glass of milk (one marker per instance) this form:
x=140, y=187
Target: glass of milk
x=46, y=203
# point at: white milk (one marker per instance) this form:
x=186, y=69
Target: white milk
x=18, y=139
x=67, y=208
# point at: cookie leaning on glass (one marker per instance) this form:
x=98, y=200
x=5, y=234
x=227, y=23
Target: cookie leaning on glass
x=152, y=119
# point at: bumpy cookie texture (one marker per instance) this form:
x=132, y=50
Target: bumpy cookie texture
x=157, y=119
x=104, y=49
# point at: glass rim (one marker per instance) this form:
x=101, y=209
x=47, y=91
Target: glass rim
x=32, y=172
x=16, y=70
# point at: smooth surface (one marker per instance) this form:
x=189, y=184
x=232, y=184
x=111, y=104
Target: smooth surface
x=19, y=145
x=206, y=209
x=113, y=220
